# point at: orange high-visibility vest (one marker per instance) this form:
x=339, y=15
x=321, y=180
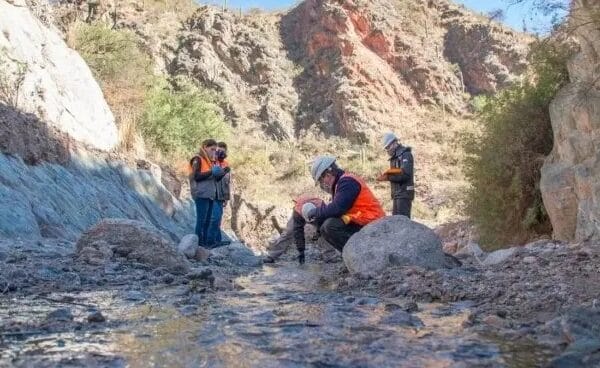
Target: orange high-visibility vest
x=366, y=208
x=223, y=163
x=205, y=164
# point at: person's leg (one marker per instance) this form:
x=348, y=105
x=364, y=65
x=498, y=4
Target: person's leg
x=402, y=206
x=201, y=215
x=209, y=235
x=217, y=219
x=337, y=233
x=281, y=244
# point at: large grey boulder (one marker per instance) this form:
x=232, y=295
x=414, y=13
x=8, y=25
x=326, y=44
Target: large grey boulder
x=129, y=241
x=393, y=241
x=57, y=84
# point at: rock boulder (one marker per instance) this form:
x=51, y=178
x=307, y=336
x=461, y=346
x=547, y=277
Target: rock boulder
x=570, y=183
x=393, y=241
x=132, y=241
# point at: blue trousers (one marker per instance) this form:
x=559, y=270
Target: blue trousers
x=214, y=228
x=204, y=211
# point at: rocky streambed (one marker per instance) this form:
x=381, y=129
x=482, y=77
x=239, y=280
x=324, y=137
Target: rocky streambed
x=535, y=307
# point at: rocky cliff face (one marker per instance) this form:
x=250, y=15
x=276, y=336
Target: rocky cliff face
x=55, y=83
x=56, y=179
x=347, y=68
x=570, y=181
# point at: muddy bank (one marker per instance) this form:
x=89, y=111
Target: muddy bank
x=541, y=292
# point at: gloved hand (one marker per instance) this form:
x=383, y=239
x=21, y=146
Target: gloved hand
x=216, y=171
x=301, y=258
x=309, y=211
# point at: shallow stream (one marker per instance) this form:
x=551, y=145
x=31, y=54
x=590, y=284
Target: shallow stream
x=279, y=316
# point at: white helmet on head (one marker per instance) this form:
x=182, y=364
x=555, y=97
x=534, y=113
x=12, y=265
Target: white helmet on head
x=388, y=138
x=319, y=165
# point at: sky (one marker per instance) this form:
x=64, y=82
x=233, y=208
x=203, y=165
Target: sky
x=515, y=15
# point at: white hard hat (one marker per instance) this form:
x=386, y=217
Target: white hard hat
x=319, y=165
x=388, y=138
x=306, y=208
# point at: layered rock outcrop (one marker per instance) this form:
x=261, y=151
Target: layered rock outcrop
x=570, y=181
x=346, y=67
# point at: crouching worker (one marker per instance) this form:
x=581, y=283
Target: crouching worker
x=353, y=205
x=294, y=231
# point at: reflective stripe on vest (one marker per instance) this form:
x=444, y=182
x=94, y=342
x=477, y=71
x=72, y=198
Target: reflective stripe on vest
x=366, y=208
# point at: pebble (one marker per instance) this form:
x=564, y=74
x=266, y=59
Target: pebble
x=61, y=314
x=200, y=274
x=529, y=259
x=493, y=321
x=136, y=296
x=96, y=317
x=168, y=279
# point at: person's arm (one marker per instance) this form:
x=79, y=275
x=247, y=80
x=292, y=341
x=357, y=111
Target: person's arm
x=404, y=162
x=345, y=194
x=199, y=176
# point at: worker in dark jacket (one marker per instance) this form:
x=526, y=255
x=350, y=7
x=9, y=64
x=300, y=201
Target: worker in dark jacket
x=400, y=175
x=353, y=205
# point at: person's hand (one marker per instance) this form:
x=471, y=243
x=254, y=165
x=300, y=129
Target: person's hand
x=216, y=170
x=309, y=211
x=382, y=177
x=301, y=258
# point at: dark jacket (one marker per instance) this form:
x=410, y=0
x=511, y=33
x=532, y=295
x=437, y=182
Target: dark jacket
x=403, y=185
x=344, y=193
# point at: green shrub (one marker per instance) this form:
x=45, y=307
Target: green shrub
x=504, y=160
x=111, y=54
x=178, y=116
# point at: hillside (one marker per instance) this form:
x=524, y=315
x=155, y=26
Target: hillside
x=330, y=76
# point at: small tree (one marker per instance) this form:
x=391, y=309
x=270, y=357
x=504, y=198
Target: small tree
x=504, y=161
x=496, y=15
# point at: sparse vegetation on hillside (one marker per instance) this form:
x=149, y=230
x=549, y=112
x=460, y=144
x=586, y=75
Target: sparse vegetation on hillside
x=12, y=76
x=504, y=161
x=178, y=116
x=123, y=69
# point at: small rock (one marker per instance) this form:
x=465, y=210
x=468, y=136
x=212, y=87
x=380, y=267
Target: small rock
x=188, y=310
x=450, y=247
x=349, y=299
x=499, y=256
x=402, y=318
x=501, y=313
x=61, y=314
x=200, y=274
x=168, y=279
x=182, y=291
x=96, y=317
x=494, y=321
x=202, y=254
x=135, y=296
x=410, y=307
x=470, y=250
x=188, y=245
x=529, y=259
x=195, y=299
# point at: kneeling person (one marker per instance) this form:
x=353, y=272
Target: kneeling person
x=294, y=231
x=353, y=205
